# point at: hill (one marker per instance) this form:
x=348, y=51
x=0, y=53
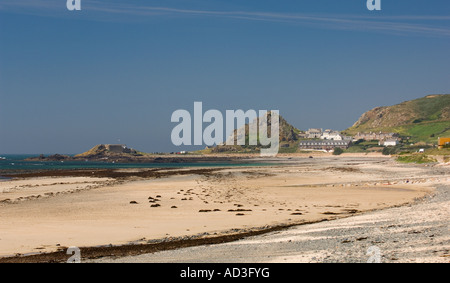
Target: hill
x=422, y=119
x=109, y=150
x=288, y=138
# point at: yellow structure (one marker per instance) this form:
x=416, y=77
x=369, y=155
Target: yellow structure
x=443, y=141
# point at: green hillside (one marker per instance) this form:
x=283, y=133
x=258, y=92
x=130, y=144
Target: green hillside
x=424, y=119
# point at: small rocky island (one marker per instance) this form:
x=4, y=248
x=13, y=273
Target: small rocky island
x=119, y=153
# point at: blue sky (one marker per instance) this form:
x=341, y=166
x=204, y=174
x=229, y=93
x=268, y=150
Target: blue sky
x=118, y=69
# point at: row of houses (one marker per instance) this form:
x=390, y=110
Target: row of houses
x=325, y=135
x=337, y=136
x=326, y=145
x=319, y=139
x=376, y=136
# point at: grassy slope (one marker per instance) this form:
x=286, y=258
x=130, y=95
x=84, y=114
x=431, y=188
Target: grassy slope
x=420, y=119
x=95, y=150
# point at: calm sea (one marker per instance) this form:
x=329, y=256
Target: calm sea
x=17, y=162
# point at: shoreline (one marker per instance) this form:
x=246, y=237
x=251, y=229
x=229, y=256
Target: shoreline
x=93, y=253
x=361, y=177
x=410, y=233
x=138, y=249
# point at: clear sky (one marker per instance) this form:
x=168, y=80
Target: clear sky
x=116, y=70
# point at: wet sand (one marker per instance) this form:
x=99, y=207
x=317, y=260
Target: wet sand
x=131, y=211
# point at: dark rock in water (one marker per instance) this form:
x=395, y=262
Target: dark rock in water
x=54, y=157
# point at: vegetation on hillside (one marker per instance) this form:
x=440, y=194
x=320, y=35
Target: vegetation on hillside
x=423, y=119
x=419, y=123
x=288, y=139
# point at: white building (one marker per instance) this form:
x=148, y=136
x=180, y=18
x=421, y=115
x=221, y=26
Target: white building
x=331, y=135
x=389, y=142
x=314, y=133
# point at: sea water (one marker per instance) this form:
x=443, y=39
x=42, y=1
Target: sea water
x=18, y=162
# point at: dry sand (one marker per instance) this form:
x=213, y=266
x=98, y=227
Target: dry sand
x=416, y=233
x=87, y=212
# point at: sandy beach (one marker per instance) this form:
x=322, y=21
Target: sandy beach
x=41, y=215
x=416, y=233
